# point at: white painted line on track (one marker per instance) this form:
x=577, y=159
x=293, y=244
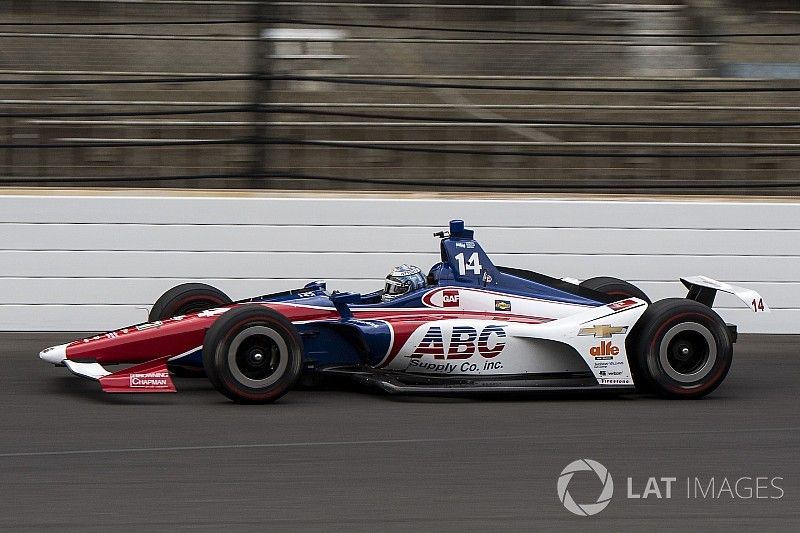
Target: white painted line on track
x=384, y=442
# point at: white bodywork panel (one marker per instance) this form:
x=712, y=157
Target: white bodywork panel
x=87, y=370
x=750, y=297
x=577, y=337
x=597, y=334
x=503, y=304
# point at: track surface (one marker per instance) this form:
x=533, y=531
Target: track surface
x=74, y=459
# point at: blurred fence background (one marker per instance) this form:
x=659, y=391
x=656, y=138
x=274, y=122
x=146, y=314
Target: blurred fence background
x=638, y=96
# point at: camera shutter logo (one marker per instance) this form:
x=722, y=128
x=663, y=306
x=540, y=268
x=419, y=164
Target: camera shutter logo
x=585, y=509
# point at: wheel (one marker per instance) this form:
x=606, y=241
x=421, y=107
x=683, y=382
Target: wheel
x=615, y=287
x=252, y=354
x=682, y=348
x=187, y=298
x=182, y=300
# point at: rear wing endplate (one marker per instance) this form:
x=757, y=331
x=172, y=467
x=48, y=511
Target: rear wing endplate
x=704, y=290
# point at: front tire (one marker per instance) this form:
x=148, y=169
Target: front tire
x=182, y=300
x=682, y=348
x=252, y=354
x=187, y=298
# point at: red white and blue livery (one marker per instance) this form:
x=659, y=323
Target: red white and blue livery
x=467, y=327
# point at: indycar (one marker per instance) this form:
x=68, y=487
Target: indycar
x=472, y=327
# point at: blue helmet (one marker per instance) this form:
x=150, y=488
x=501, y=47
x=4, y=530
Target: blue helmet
x=402, y=279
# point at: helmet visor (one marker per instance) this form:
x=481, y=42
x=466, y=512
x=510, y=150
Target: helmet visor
x=395, y=288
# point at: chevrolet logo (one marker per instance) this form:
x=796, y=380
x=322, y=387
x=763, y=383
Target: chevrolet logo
x=603, y=331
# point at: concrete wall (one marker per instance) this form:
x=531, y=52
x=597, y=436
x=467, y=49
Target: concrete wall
x=82, y=261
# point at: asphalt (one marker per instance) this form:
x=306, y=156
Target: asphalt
x=74, y=459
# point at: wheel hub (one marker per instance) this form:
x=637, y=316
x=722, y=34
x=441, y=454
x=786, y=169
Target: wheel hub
x=688, y=352
x=682, y=351
x=251, y=358
x=257, y=356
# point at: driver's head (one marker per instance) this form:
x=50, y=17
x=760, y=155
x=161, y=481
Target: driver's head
x=402, y=279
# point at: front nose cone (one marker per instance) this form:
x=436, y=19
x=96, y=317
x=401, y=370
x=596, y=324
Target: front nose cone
x=55, y=355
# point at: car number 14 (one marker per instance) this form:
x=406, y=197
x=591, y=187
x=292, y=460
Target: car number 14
x=473, y=264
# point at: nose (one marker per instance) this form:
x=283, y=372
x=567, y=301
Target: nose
x=55, y=354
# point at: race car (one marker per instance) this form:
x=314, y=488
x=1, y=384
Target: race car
x=467, y=327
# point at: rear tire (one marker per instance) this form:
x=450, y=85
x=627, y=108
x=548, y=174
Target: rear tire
x=182, y=300
x=615, y=287
x=682, y=348
x=252, y=354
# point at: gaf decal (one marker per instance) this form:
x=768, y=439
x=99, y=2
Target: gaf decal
x=603, y=331
x=464, y=342
x=450, y=299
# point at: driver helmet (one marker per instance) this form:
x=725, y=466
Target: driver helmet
x=402, y=279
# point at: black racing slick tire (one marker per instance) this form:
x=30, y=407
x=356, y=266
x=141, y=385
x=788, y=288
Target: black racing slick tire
x=187, y=298
x=252, y=354
x=615, y=287
x=182, y=300
x=682, y=348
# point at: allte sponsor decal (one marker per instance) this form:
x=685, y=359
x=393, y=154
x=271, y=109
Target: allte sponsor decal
x=606, y=350
x=155, y=380
x=450, y=299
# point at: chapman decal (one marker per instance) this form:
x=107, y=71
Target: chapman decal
x=154, y=380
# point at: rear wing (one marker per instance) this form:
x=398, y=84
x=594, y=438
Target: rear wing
x=704, y=290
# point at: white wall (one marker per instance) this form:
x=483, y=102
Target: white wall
x=97, y=262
